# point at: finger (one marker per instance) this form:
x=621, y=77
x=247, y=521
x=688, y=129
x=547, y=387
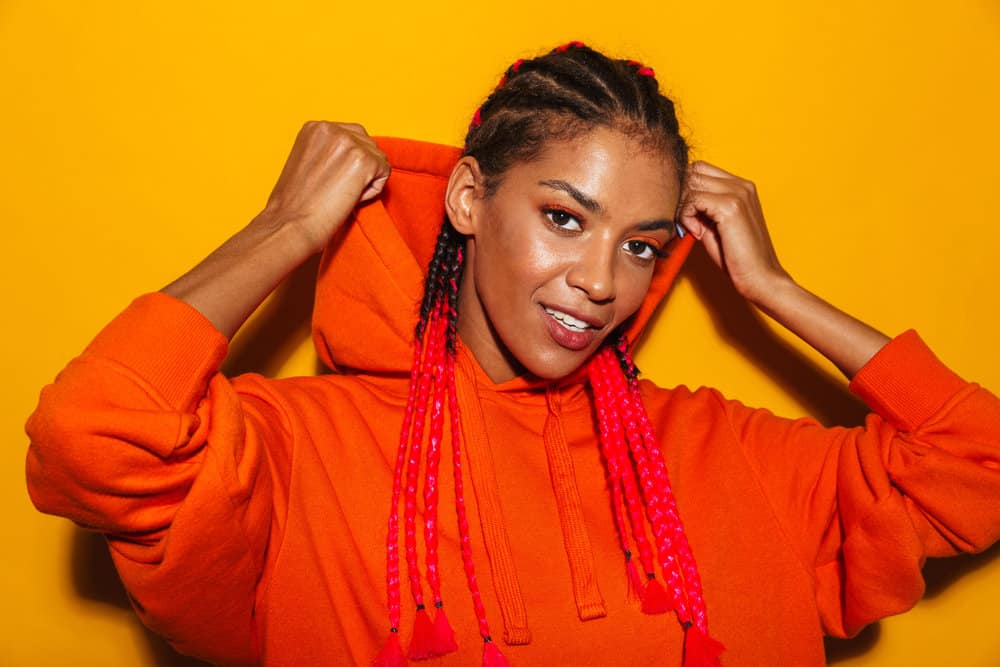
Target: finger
x=718, y=207
x=379, y=180
x=353, y=128
x=711, y=183
x=710, y=241
x=702, y=167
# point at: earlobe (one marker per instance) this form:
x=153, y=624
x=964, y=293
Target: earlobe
x=464, y=186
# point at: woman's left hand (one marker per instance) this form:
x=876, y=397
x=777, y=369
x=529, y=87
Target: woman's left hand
x=724, y=213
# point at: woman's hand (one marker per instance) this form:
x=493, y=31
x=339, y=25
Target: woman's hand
x=723, y=212
x=332, y=168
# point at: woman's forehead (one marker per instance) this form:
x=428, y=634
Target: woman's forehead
x=604, y=168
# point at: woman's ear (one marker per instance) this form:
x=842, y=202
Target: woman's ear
x=464, y=187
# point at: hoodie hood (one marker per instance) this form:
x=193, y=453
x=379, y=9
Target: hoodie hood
x=371, y=275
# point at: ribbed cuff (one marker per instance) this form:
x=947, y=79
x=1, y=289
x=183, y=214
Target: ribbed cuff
x=167, y=343
x=905, y=382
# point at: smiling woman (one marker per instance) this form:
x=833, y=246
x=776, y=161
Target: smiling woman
x=610, y=520
x=562, y=253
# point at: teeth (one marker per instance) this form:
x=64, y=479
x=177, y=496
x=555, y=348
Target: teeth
x=568, y=321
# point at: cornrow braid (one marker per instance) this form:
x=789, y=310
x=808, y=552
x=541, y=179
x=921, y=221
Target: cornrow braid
x=557, y=96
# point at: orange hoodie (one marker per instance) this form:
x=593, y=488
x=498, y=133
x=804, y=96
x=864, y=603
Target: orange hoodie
x=247, y=516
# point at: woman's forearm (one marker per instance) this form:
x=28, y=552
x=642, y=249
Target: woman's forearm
x=846, y=341
x=229, y=284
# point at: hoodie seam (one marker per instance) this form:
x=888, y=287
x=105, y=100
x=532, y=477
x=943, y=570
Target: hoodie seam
x=755, y=473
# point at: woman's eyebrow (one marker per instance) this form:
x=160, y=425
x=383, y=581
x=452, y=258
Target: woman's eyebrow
x=582, y=199
x=653, y=225
x=594, y=207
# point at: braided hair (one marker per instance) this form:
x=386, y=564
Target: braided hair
x=561, y=95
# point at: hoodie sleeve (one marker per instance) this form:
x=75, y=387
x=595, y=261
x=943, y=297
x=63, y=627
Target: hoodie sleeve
x=866, y=506
x=142, y=439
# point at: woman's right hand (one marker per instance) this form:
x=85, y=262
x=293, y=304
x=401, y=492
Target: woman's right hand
x=331, y=169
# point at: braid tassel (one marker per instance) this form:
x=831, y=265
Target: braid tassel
x=422, y=644
x=700, y=650
x=391, y=654
x=444, y=635
x=492, y=657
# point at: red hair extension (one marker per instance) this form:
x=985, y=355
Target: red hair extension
x=617, y=499
x=656, y=599
x=391, y=654
x=413, y=465
x=392, y=539
x=659, y=469
x=621, y=475
x=432, y=383
x=624, y=423
x=433, y=463
x=429, y=638
x=491, y=652
x=442, y=636
x=663, y=531
x=699, y=647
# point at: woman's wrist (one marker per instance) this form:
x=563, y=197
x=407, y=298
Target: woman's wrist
x=771, y=291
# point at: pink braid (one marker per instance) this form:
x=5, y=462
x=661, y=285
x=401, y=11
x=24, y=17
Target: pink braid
x=434, y=455
x=463, y=520
x=413, y=463
x=666, y=500
x=611, y=454
x=456, y=453
x=392, y=540
x=661, y=531
x=664, y=542
x=669, y=503
x=617, y=457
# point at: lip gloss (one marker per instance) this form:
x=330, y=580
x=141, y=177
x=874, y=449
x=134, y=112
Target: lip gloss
x=571, y=340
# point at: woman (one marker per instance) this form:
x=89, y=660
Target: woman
x=247, y=517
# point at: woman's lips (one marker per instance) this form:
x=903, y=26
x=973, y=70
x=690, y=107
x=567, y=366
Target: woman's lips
x=568, y=331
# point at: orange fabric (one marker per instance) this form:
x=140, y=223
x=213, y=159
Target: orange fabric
x=247, y=516
x=589, y=601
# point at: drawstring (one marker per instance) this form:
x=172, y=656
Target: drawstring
x=589, y=602
x=486, y=487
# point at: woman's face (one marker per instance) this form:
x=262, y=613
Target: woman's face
x=562, y=252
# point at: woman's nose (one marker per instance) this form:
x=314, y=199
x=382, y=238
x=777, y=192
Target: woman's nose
x=593, y=273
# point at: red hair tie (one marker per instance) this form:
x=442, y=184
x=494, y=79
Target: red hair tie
x=568, y=46
x=642, y=69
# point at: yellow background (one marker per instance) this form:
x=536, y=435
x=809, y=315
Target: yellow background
x=134, y=137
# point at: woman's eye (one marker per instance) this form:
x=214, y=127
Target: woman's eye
x=641, y=249
x=562, y=219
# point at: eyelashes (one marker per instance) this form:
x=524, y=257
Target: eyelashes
x=643, y=250
x=563, y=219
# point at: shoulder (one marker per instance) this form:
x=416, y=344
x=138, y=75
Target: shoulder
x=682, y=397
x=331, y=392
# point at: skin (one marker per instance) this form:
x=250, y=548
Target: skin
x=533, y=244
x=335, y=166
